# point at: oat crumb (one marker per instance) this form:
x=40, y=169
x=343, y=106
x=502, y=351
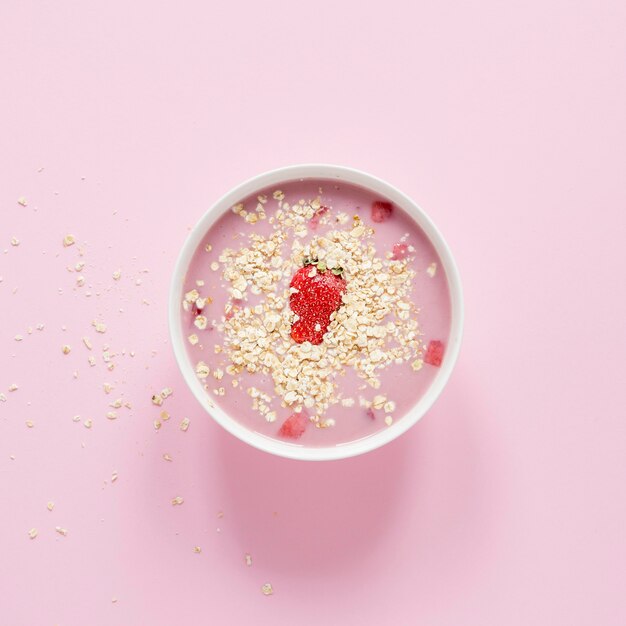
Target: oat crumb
x=184, y=425
x=267, y=589
x=32, y=533
x=248, y=559
x=99, y=326
x=68, y=241
x=177, y=501
x=50, y=506
x=417, y=365
x=61, y=531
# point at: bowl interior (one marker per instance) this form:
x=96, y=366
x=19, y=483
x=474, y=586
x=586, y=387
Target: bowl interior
x=281, y=176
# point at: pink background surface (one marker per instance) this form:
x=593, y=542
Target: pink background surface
x=505, y=121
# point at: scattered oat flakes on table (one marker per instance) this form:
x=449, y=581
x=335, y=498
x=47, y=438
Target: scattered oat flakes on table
x=99, y=326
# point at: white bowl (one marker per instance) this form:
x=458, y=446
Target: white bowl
x=281, y=176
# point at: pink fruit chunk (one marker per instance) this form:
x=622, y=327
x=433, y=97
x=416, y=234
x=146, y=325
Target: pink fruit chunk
x=294, y=426
x=399, y=251
x=236, y=305
x=317, y=216
x=434, y=353
x=381, y=211
x=370, y=413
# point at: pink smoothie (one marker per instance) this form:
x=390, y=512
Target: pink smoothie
x=404, y=383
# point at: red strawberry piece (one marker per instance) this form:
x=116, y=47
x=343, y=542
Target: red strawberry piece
x=233, y=309
x=370, y=413
x=302, y=331
x=294, y=426
x=399, y=252
x=317, y=216
x=381, y=211
x=434, y=353
x=194, y=311
x=318, y=297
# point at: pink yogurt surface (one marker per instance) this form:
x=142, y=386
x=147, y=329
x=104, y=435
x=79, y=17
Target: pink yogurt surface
x=399, y=382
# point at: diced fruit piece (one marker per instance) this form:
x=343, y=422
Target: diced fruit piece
x=294, y=426
x=370, y=413
x=434, y=353
x=381, y=211
x=235, y=306
x=399, y=252
x=317, y=216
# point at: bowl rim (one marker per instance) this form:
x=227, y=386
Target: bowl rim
x=283, y=175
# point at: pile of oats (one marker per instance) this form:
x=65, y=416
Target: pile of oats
x=375, y=327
